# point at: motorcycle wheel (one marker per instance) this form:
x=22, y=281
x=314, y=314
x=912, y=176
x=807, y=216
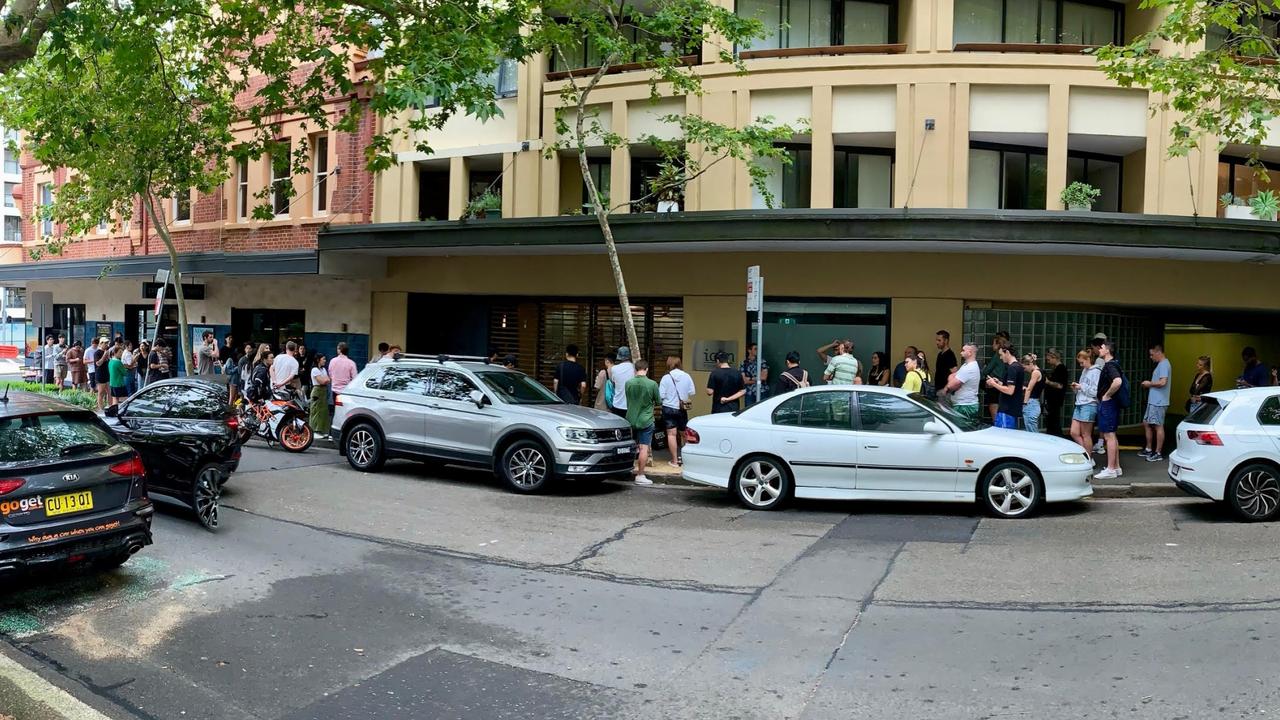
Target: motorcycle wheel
x=296, y=436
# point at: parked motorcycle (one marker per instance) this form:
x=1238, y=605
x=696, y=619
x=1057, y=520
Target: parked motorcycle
x=279, y=420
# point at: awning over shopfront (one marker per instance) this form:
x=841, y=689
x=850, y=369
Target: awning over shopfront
x=898, y=230
x=283, y=263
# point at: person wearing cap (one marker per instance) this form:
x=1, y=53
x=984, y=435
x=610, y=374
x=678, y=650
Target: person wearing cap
x=621, y=373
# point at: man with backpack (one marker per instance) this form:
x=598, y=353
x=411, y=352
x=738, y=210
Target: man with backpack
x=794, y=377
x=1113, y=396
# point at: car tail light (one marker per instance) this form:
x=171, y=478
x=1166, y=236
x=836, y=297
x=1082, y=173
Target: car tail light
x=233, y=422
x=1204, y=437
x=8, y=485
x=691, y=436
x=337, y=401
x=132, y=467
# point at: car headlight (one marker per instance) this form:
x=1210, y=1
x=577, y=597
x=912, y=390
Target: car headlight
x=1073, y=458
x=578, y=435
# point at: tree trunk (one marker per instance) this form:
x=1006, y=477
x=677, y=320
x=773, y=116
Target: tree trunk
x=611, y=248
x=175, y=276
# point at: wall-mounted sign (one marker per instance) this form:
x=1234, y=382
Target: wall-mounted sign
x=704, y=353
x=104, y=330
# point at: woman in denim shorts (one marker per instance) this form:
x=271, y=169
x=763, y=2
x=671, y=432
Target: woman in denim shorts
x=1086, y=390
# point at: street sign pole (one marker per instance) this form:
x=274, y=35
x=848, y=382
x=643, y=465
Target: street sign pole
x=755, y=301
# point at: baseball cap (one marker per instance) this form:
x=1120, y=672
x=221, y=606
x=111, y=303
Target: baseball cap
x=104, y=340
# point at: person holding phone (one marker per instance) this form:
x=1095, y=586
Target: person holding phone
x=1009, y=388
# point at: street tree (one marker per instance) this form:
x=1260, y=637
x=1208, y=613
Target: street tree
x=664, y=40
x=1213, y=63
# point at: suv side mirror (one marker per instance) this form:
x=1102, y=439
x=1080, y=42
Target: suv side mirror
x=479, y=398
x=111, y=411
x=933, y=427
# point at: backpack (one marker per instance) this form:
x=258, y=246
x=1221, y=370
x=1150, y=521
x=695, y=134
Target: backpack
x=1122, y=395
x=608, y=392
x=803, y=382
x=927, y=388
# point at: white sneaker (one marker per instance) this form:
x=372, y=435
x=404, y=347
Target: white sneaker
x=1107, y=474
x=642, y=480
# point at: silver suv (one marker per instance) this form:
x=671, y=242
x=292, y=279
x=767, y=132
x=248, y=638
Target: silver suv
x=468, y=412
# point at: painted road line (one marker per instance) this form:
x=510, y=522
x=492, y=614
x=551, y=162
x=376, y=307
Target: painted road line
x=36, y=688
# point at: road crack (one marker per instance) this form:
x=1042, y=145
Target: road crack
x=593, y=550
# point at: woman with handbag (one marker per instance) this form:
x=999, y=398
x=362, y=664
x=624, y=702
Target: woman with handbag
x=1202, y=384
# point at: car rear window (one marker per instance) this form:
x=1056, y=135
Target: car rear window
x=1208, y=411
x=36, y=438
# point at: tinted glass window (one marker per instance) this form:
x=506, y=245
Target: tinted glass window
x=891, y=414
x=1208, y=411
x=452, y=386
x=829, y=410
x=151, y=403
x=37, y=438
x=406, y=380
x=1269, y=413
x=788, y=413
x=195, y=404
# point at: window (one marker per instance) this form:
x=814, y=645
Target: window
x=796, y=178
x=1208, y=412
x=1269, y=413
x=46, y=202
x=880, y=412
x=12, y=154
x=281, y=178
x=504, y=78
x=182, y=206
x=452, y=386
x=191, y=403
x=320, y=169
x=827, y=410
x=788, y=413
x=585, y=54
x=406, y=380
x=153, y=403
x=643, y=172
x=820, y=23
x=864, y=178
x=38, y=438
x=1237, y=177
x=602, y=175
x=8, y=194
x=1007, y=179
x=1100, y=171
x=103, y=225
x=1052, y=22
x=513, y=388
x=242, y=190
x=1218, y=37
x=12, y=228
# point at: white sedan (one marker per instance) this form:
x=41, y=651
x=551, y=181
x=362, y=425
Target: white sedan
x=867, y=442
x=1229, y=450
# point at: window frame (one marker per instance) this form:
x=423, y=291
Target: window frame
x=46, y=200
x=12, y=137
x=9, y=187
x=242, y=190
x=18, y=235
x=431, y=392
x=179, y=205
x=800, y=398
x=320, y=174
x=848, y=150
x=1117, y=26
x=1028, y=151
x=1100, y=157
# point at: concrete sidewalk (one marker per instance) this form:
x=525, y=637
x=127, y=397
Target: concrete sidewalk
x=25, y=694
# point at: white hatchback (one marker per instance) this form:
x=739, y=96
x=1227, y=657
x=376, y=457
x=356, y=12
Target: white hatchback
x=1229, y=450
x=866, y=442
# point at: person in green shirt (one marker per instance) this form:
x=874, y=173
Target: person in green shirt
x=642, y=397
x=118, y=375
x=994, y=368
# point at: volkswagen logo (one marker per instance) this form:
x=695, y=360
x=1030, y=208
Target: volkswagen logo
x=70, y=477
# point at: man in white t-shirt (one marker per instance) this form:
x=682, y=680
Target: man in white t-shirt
x=620, y=373
x=284, y=370
x=964, y=383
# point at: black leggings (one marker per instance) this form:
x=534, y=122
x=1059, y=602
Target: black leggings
x=1052, y=421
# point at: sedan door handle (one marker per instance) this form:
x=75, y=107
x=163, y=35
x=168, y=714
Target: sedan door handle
x=791, y=441
x=871, y=447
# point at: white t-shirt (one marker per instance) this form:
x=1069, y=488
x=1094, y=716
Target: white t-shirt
x=620, y=374
x=284, y=368
x=969, y=374
x=676, y=386
x=127, y=358
x=318, y=374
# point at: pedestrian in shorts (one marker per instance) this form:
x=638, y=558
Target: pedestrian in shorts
x=1157, y=404
x=677, y=392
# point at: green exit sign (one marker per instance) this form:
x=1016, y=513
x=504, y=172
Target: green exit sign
x=788, y=321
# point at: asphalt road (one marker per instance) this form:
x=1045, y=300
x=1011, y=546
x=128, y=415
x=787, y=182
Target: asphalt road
x=408, y=594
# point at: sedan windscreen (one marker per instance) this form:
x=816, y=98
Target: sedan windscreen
x=37, y=438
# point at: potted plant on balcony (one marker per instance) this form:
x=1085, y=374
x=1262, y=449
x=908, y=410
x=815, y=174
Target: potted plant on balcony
x=1235, y=207
x=487, y=205
x=1079, y=196
x=1264, y=205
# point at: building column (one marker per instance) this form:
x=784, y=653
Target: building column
x=960, y=144
x=390, y=318
x=408, y=211
x=822, y=145
x=549, y=167
x=742, y=180
x=1056, y=160
x=459, y=180
x=509, y=179
x=620, y=160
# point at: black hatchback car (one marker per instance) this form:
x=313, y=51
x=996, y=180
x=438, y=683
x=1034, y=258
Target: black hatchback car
x=70, y=491
x=185, y=431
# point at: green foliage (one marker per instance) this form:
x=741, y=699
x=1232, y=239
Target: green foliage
x=1228, y=90
x=79, y=398
x=1227, y=200
x=1265, y=205
x=1079, y=194
x=486, y=202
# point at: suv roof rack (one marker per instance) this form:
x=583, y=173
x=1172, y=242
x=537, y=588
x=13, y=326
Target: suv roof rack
x=442, y=359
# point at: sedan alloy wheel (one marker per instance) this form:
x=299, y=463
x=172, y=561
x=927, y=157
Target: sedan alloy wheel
x=761, y=483
x=1011, y=491
x=206, y=496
